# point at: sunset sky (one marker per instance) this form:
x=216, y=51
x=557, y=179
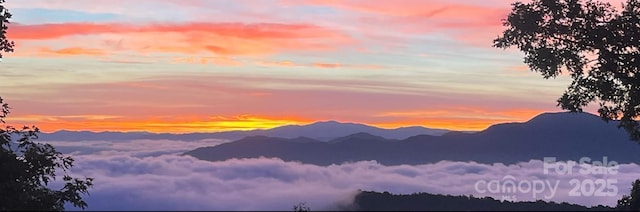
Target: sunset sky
x=205, y=65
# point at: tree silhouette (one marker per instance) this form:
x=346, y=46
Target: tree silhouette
x=5, y=44
x=385, y=201
x=592, y=41
x=27, y=167
x=632, y=201
x=301, y=207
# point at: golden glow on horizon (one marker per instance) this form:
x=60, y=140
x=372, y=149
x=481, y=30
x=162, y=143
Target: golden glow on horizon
x=184, y=124
x=193, y=123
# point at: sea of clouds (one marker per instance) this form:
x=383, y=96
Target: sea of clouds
x=152, y=175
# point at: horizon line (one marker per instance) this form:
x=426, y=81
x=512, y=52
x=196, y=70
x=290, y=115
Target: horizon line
x=309, y=123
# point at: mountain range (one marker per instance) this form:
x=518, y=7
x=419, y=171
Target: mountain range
x=566, y=136
x=322, y=131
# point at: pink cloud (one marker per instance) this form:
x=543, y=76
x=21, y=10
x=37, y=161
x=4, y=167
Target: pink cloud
x=318, y=65
x=470, y=22
x=413, y=8
x=191, y=38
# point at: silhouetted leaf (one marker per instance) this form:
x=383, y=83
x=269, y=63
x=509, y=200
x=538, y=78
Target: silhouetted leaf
x=593, y=42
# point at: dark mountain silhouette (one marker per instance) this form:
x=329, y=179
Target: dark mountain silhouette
x=323, y=131
x=566, y=136
x=375, y=201
x=359, y=137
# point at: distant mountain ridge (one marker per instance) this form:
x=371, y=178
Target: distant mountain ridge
x=323, y=131
x=566, y=136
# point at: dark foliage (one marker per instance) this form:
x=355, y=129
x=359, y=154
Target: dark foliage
x=632, y=201
x=590, y=40
x=301, y=207
x=375, y=201
x=27, y=167
x=5, y=44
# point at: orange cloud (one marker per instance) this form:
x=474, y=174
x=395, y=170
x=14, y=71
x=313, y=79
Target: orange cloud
x=250, y=31
x=217, y=38
x=220, y=61
x=72, y=51
x=327, y=65
x=277, y=63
